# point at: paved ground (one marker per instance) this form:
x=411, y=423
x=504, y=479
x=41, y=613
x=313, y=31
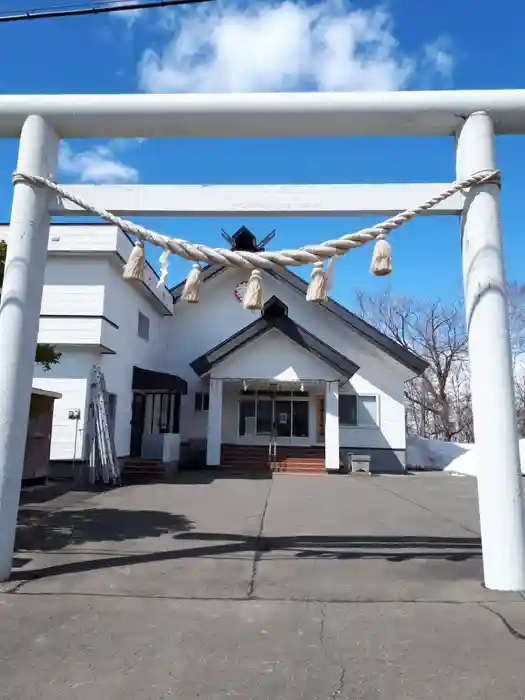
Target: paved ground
x=327, y=588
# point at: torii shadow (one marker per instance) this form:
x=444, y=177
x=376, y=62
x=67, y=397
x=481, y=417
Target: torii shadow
x=392, y=549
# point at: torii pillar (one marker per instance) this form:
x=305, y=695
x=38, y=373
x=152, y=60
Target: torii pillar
x=19, y=318
x=492, y=384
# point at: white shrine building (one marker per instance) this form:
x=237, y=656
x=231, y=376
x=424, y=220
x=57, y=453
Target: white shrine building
x=212, y=377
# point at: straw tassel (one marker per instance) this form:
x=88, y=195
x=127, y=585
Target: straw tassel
x=317, y=289
x=253, y=296
x=134, y=268
x=192, y=288
x=329, y=274
x=163, y=260
x=381, y=265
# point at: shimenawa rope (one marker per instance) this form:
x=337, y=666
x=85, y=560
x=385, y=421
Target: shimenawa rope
x=268, y=260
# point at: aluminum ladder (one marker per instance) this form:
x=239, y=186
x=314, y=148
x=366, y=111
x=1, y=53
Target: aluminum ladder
x=103, y=464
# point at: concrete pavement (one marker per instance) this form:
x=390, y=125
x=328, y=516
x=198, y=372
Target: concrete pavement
x=293, y=587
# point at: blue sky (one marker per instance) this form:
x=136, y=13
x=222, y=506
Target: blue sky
x=330, y=45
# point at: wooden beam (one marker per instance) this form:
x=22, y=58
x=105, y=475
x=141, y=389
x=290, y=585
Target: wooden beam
x=256, y=200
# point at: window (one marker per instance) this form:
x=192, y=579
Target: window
x=358, y=411
x=348, y=409
x=162, y=413
x=143, y=327
x=281, y=412
x=202, y=402
x=247, y=417
x=368, y=411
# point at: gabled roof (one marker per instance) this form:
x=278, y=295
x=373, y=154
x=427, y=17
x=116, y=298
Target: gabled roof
x=404, y=356
x=275, y=316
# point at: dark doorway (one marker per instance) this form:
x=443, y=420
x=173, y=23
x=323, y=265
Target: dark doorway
x=137, y=424
x=283, y=418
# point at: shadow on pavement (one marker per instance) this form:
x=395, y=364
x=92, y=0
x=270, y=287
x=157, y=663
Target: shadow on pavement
x=118, y=526
x=73, y=527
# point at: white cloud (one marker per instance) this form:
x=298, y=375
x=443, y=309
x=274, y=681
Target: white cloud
x=438, y=56
x=98, y=164
x=129, y=17
x=231, y=46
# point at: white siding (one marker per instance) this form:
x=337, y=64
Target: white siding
x=78, y=238
x=74, y=286
x=273, y=357
x=76, y=331
x=122, y=303
x=87, y=306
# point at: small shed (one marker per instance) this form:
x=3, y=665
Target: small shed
x=38, y=441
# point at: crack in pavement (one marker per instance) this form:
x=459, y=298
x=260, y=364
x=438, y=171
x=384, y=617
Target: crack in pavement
x=258, y=549
x=452, y=521
x=321, y=628
x=339, y=689
x=341, y=686
x=512, y=630
x=13, y=587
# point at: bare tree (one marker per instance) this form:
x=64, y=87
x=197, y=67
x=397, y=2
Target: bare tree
x=516, y=295
x=438, y=404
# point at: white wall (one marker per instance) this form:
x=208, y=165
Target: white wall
x=74, y=285
x=196, y=328
x=86, y=307
x=70, y=378
x=122, y=303
x=273, y=356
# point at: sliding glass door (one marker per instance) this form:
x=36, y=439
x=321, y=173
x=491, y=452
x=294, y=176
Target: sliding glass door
x=285, y=414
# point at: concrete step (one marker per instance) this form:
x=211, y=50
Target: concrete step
x=142, y=467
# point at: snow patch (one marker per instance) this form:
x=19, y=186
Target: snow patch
x=454, y=458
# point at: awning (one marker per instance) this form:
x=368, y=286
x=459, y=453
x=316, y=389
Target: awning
x=148, y=380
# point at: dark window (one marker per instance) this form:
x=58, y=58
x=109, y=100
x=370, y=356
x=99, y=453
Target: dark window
x=143, y=327
x=300, y=418
x=347, y=409
x=162, y=413
x=202, y=402
x=175, y=412
x=264, y=416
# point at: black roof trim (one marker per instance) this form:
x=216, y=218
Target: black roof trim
x=391, y=347
x=275, y=315
x=404, y=356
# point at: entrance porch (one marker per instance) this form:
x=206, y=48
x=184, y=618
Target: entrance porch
x=155, y=415
x=276, y=384
x=277, y=421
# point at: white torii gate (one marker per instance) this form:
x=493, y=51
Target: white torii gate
x=473, y=117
